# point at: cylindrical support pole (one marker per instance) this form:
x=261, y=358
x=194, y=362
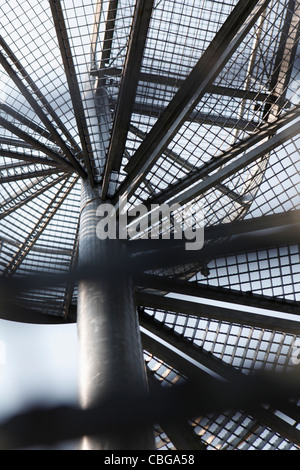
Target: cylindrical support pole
x=110, y=351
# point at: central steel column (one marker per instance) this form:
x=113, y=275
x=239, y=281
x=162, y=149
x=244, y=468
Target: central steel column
x=110, y=351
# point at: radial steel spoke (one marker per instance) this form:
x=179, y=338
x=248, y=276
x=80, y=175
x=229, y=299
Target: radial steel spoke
x=150, y=78
x=40, y=113
x=35, y=143
x=66, y=53
x=62, y=192
x=30, y=158
x=26, y=77
x=181, y=434
x=112, y=10
x=166, y=285
x=286, y=51
x=195, y=86
x=28, y=175
x=201, y=175
x=128, y=87
x=236, y=316
x=184, y=164
x=242, y=162
x=198, y=118
x=10, y=205
x=177, y=350
x=27, y=122
x=159, y=103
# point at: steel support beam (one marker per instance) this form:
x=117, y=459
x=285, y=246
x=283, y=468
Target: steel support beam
x=110, y=351
x=200, y=180
x=181, y=434
x=229, y=315
x=71, y=75
x=197, y=117
x=19, y=192
x=232, y=195
x=27, y=122
x=10, y=205
x=277, y=424
x=70, y=313
x=254, y=225
x=211, y=364
x=12, y=311
x=37, y=92
x=251, y=66
x=243, y=437
x=112, y=9
x=62, y=192
x=183, y=164
x=180, y=358
x=29, y=175
x=57, y=253
x=35, y=144
x=169, y=154
x=39, y=111
x=177, y=82
x=225, y=43
x=15, y=143
x=29, y=158
x=288, y=43
x=128, y=86
x=111, y=359
x=164, y=285
x=153, y=344
x=14, y=165
x=175, y=254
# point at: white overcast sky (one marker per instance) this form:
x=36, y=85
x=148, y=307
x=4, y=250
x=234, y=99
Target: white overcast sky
x=38, y=363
